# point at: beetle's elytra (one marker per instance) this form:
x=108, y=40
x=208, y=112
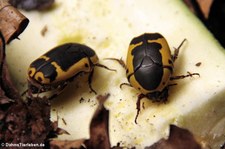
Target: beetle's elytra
x=149, y=67
x=55, y=68
x=61, y=63
x=149, y=63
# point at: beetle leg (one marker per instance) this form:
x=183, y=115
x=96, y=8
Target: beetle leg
x=168, y=67
x=169, y=85
x=184, y=76
x=59, y=89
x=40, y=90
x=120, y=61
x=24, y=92
x=90, y=81
x=103, y=66
x=138, y=106
x=122, y=84
x=176, y=52
x=30, y=94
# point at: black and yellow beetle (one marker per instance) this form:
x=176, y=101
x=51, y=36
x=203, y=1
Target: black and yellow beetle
x=149, y=67
x=54, y=69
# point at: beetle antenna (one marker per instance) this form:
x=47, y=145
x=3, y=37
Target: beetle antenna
x=103, y=66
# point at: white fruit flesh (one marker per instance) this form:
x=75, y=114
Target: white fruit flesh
x=196, y=103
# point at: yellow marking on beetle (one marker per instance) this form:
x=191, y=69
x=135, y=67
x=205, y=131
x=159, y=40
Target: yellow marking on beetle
x=137, y=86
x=166, y=57
x=39, y=76
x=31, y=72
x=81, y=66
x=165, y=51
x=130, y=57
x=44, y=57
x=94, y=59
x=130, y=68
x=165, y=79
x=161, y=86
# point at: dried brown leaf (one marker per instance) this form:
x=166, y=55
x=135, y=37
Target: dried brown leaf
x=12, y=22
x=99, y=133
x=178, y=138
x=59, y=144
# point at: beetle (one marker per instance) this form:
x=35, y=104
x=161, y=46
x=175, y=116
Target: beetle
x=53, y=70
x=149, y=67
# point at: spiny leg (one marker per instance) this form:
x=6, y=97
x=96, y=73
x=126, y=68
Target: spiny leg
x=40, y=90
x=103, y=66
x=127, y=84
x=176, y=52
x=120, y=61
x=59, y=91
x=184, y=76
x=90, y=81
x=169, y=85
x=30, y=92
x=138, y=106
x=24, y=92
x=91, y=74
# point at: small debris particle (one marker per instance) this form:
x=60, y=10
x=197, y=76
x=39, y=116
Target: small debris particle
x=143, y=105
x=44, y=30
x=198, y=64
x=64, y=122
x=82, y=100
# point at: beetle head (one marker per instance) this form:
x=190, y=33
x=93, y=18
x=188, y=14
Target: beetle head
x=159, y=96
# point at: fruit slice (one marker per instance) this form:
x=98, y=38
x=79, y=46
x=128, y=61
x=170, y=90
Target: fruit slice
x=108, y=26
